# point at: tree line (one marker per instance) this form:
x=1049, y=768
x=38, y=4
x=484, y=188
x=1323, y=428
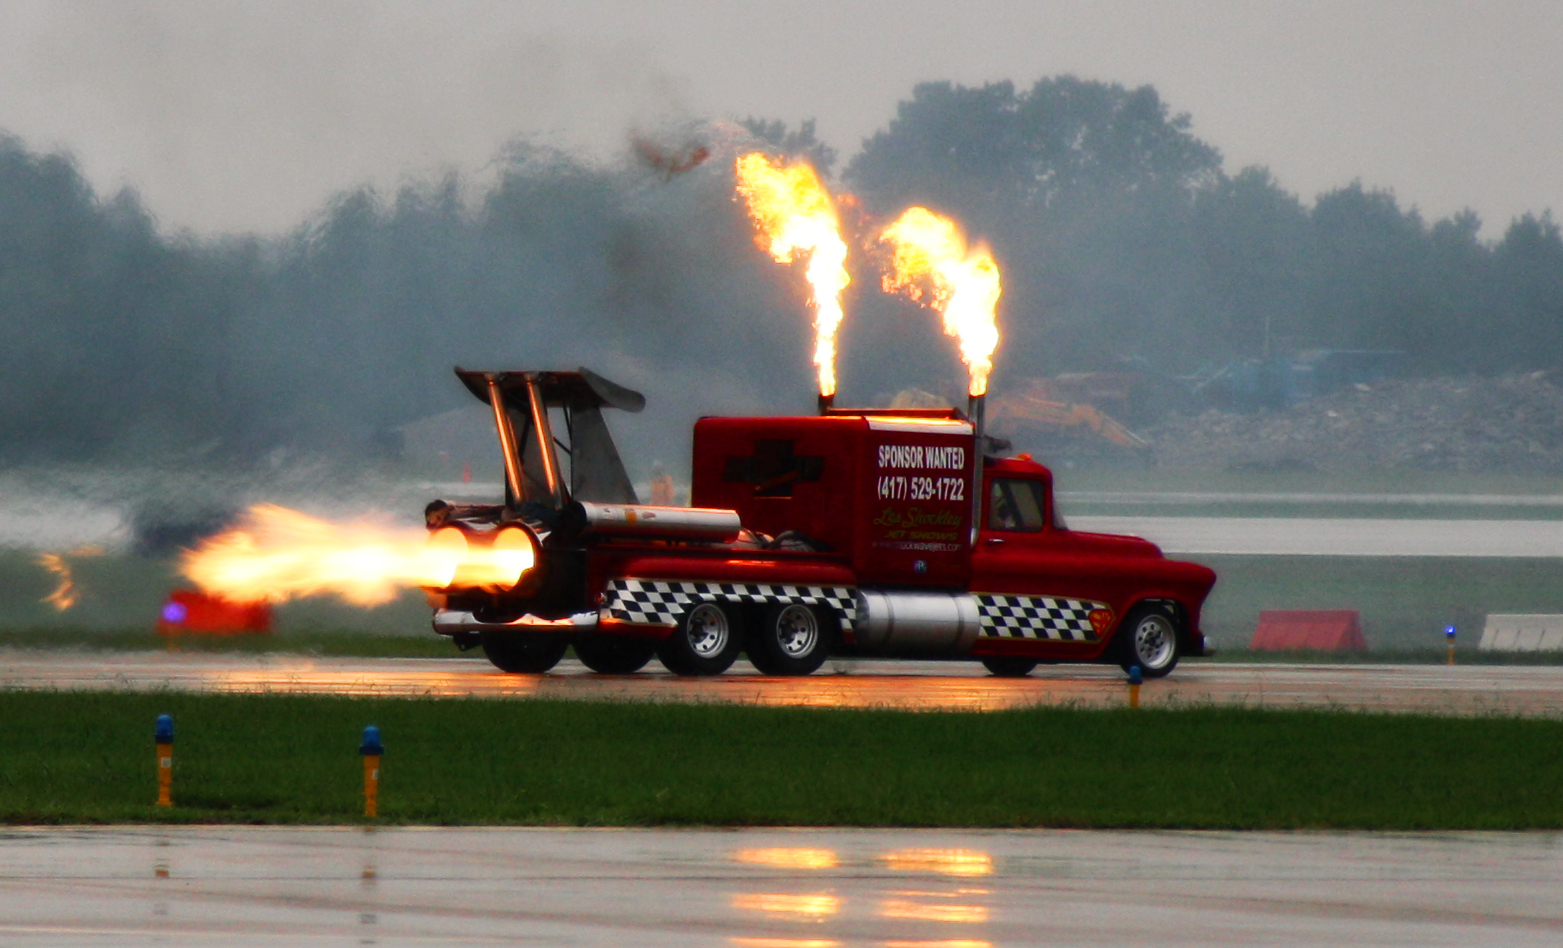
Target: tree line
x=1119, y=232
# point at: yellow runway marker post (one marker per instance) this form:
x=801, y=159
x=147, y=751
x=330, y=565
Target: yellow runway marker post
x=164, y=734
x=372, y=750
x=1136, y=678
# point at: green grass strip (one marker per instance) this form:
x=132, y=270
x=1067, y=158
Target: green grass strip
x=259, y=759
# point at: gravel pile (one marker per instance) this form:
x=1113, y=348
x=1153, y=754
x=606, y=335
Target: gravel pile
x=1512, y=424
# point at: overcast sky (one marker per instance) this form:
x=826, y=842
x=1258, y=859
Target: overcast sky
x=247, y=116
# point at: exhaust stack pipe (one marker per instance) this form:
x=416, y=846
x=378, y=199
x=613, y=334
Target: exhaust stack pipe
x=976, y=410
x=826, y=403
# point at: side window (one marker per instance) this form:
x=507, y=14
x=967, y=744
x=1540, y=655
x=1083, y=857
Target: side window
x=1016, y=505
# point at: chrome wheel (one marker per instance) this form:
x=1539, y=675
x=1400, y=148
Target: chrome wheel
x=708, y=639
x=1147, y=637
x=708, y=631
x=797, y=631
x=792, y=639
x=1155, y=641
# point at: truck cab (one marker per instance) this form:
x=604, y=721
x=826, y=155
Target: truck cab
x=852, y=532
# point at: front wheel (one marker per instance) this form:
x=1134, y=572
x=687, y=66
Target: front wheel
x=1009, y=666
x=706, y=642
x=524, y=652
x=613, y=654
x=1148, y=638
x=794, y=639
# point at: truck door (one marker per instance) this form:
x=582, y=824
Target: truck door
x=1015, y=513
x=1022, y=551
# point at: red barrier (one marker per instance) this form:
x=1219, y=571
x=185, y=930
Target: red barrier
x=192, y=612
x=1318, y=630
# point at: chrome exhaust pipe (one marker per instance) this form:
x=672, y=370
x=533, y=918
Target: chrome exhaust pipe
x=976, y=410
x=458, y=621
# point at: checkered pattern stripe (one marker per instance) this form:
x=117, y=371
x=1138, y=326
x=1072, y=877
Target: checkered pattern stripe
x=661, y=602
x=1037, y=617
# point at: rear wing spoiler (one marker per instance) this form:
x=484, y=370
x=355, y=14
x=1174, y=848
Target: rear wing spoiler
x=522, y=401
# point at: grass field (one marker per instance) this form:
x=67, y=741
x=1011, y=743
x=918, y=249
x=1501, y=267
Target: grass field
x=89, y=758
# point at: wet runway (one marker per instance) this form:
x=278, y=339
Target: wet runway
x=1523, y=690
x=242, y=886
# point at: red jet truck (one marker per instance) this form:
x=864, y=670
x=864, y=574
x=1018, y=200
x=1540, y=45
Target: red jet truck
x=847, y=533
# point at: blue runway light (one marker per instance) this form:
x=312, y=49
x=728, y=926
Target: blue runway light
x=371, y=749
x=1449, y=630
x=174, y=613
x=164, y=732
x=1136, y=677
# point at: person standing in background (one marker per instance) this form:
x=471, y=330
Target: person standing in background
x=661, y=486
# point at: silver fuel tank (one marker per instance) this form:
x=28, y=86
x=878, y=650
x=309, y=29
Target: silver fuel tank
x=896, y=622
x=671, y=523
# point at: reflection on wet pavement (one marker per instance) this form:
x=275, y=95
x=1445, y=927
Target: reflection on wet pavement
x=788, y=857
x=786, y=904
x=244, y=886
x=1527, y=690
x=950, y=862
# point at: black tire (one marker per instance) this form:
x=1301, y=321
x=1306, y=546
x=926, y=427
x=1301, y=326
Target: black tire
x=793, y=639
x=524, y=652
x=707, y=641
x=1148, y=637
x=1009, y=666
x=613, y=654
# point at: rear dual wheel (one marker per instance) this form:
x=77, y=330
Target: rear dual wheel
x=707, y=641
x=524, y=652
x=793, y=639
x=613, y=654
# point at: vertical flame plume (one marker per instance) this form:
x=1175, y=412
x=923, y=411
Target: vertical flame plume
x=933, y=265
x=276, y=554
x=796, y=215
x=66, y=593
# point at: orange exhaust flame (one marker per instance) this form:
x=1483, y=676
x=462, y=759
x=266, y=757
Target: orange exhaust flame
x=64, y=595
x=277, y=554
x=933, y=265
x=796, y=215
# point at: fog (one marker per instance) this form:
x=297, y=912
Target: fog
x=1123, y=237
x=246, y=117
